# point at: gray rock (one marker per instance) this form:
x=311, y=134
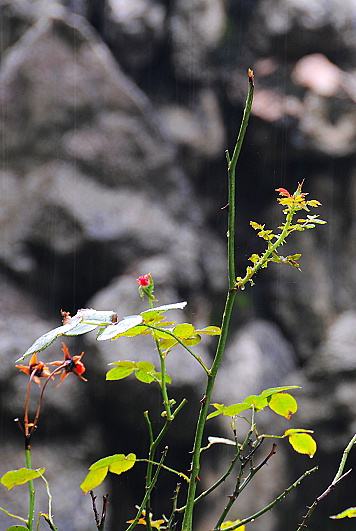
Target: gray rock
x=135, y=31
x=257, y=358
x=324, y=25
x=336, y=355
x=199, y=132
x=196, y=31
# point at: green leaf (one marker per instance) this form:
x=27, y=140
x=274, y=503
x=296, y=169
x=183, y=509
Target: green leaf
x=235, y=409
x=117, y=464
x=254, y=258
x=81, y=328
x=152, y=315
x=283, y=404
x=210, y=331
x=168, y=344
x=146, y=366
x=269, y=392
x=165, y=307
x=256, y=226
x=135, y=331
x=122, y=463
x=184, y=330
x=161, y=334
x=213, y=414
x=257, y=401
x=303, y=443
x=122, y=370
x=114, y=330
x=20, y=476
x=191, y=341
x=93, y=479
x=17, y=528
x=228, y=411
x=46, y=339
x=94, y=317
x=144, y=377
x=348, y=513
x=221, y=440
x=83, y=321
x=144, y=371
x=291, y=431
x=219, y=410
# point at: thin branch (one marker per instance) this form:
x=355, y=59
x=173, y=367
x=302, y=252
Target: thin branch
x=311, y=509
x=338, y=477
x=103, y=512
x=34, y=425
x=272, y=504
x=169, y=333
x=148, y=492
x=343, y=459
x=174, y=508
x=240, y=487
x=96, y=514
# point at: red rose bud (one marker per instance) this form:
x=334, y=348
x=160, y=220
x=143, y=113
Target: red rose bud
x=146, y=286
x=144, y=281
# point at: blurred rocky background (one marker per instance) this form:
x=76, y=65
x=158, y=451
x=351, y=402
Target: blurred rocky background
x=115, y=115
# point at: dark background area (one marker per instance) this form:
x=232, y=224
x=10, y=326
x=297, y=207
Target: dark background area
x=114, y=121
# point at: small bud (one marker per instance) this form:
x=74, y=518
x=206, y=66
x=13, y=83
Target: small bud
x=146, y=286
x=144, y=281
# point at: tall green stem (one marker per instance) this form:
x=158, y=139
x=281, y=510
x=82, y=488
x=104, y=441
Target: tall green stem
x=232, y=181
x=187, y=524
x=31, y=509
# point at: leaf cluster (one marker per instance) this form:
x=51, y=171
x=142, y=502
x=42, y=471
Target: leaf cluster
x=281, y=403
x=292, y=203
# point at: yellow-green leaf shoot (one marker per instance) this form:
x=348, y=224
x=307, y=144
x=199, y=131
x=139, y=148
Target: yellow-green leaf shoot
x=348, y=513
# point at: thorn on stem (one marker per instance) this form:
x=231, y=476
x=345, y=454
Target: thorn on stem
x=203, y=400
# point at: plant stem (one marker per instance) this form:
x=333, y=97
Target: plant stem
x=271, y=248
x=31, y=489
x=103, y=513
x=232, y=181
x=148, y=492
x=239, y=449
x=48, y=517
x=154, y=444
x=166, y=402
x=188, y=513
x=169, y=333
x=338, y=477
x=343, y=459
x=239, y=488
x=219, y=481
x=272, y=504
x=180, y=474
x=175, y=501
x=14, y=515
